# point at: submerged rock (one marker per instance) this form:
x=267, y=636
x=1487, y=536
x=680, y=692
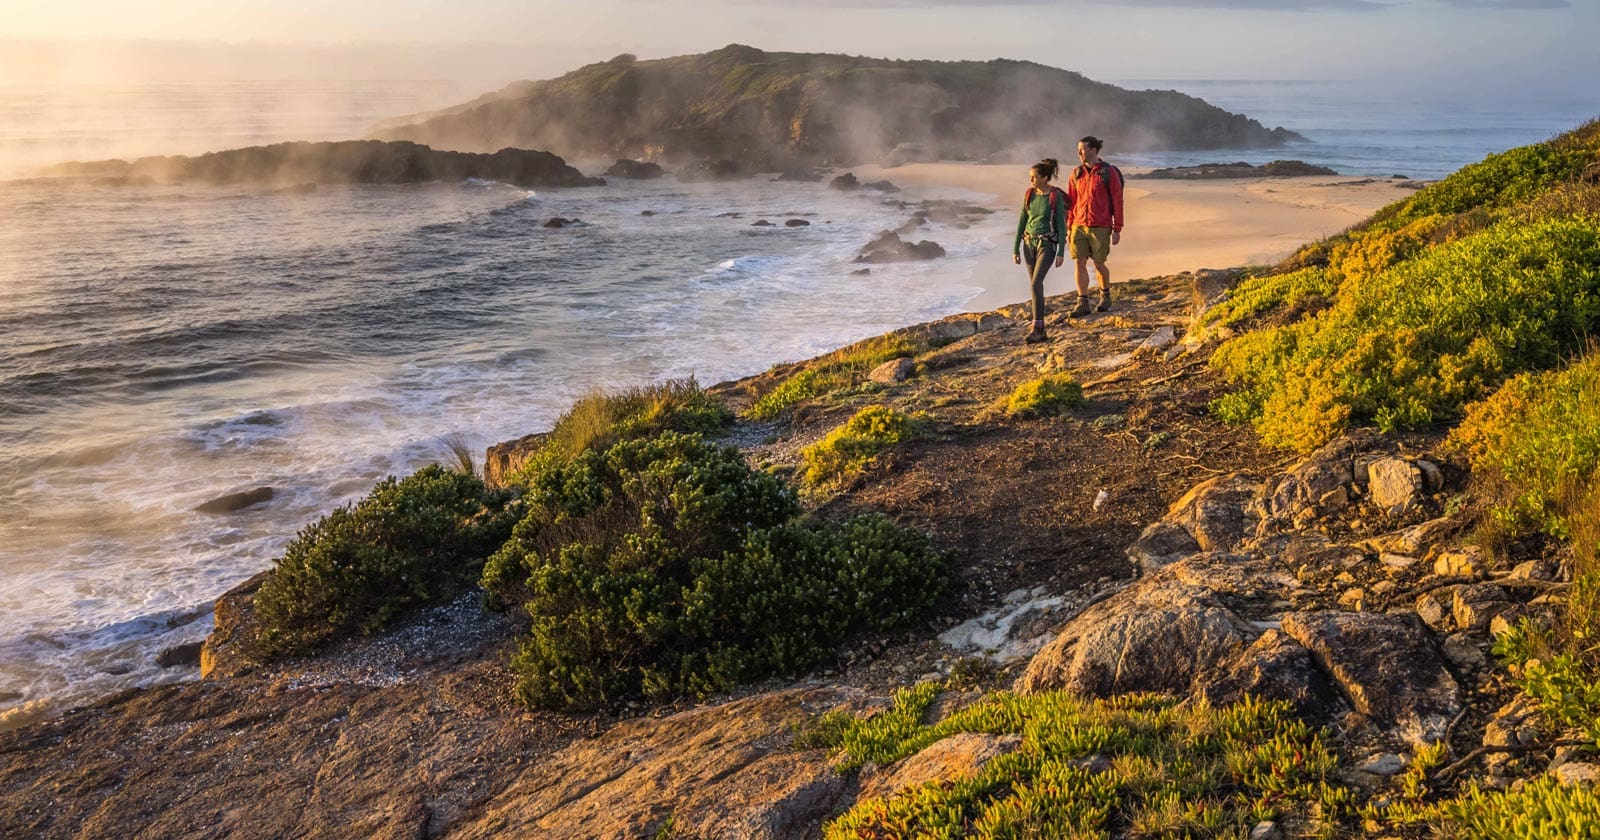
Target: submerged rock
x=889, y=247
x=234, y=502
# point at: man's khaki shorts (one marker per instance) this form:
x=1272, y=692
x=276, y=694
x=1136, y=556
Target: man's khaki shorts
x=1091, y=242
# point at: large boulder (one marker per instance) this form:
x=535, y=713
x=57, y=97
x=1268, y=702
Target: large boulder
x=1157, y=635
x=1274, y=667
x=1387, y=666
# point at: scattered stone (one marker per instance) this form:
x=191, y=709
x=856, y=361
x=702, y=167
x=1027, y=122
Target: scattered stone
x=1109, y=422
x=558, y=222
x=1577, y=774
x=1397, y=562
x=1354, y=599
x=1463, y=652
x=761, y=223
x=1266, y=831
x=1466, y=561
x=1393, y=483
x=1386, y=665
x=797, y=223
x=1540, y=569
x=892, y=371
x=1160, y=340
x=1383, y=764
x=1334, y=500
x=1415, y=539
x=1473, y=606
x=647, y=212
x=1432, y=612
x=235, y=502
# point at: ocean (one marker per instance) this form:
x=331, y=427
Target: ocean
x=163, y=346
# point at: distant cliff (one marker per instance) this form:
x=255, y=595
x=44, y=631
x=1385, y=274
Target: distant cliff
x=778, y=108
x=349, y=162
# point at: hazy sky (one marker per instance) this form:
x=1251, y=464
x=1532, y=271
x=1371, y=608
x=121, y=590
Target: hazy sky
x=1499, y=46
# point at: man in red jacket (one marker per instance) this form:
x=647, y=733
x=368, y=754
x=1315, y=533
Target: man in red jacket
x=1094, y=194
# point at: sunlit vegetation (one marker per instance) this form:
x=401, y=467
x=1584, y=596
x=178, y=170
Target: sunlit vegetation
x=840, y=371
x=853, y=446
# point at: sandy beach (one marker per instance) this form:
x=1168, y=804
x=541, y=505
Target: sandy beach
x=1173, y=225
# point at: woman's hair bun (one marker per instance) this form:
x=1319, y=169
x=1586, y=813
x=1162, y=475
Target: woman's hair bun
x=1047, y=167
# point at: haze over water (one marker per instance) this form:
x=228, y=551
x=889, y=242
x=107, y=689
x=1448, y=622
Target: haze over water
x=162, y=346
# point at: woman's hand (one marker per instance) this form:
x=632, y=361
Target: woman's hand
x=1016, y=259
x=1060, y=261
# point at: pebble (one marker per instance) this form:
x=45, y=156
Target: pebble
x=1383, y=764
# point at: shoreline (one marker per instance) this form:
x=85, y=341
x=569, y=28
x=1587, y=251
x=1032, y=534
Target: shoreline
x=1174, y=225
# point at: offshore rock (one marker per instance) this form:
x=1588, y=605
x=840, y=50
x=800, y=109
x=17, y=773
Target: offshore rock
x=235, y=502
x=635, y=170
x=889, y=247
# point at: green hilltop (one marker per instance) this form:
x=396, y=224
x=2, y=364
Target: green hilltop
x=772, y=109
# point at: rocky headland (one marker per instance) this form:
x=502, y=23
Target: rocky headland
x=771, y=111
x=305, y=165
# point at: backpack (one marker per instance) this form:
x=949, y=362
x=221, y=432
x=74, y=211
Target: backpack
x=1055, y=204
x=1105, y=178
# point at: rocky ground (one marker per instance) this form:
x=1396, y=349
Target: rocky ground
x=1136, y=544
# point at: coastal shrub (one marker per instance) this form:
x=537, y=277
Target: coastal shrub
x=840, y=370
x=1539, y=435
x=1542, y=808
x=412, y=541
x=1052, y=394
x=1535, y=445
x=851, y=447
x=1416, y=342
x=599, y=420
x=667, y=567
x=1134, y=765
x=1257, y=295
x=1501, y=180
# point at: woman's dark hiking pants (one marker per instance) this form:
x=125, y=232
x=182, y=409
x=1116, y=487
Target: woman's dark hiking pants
x=1038, y=261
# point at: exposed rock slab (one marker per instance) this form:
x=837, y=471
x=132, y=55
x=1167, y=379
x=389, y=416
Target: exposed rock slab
x=726, y=771
x=1387, y=666
x=957, y=757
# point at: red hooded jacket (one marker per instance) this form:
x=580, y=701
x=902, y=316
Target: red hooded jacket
x=1093, y=205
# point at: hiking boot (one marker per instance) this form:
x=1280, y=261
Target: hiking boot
x=1035, y=337
x=1083, y=307
x=1105, y=301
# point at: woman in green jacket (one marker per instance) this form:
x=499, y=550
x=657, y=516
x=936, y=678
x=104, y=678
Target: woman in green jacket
x=1041, y=230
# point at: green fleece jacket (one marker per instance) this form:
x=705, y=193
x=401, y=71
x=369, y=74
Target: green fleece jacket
x=1038, y=220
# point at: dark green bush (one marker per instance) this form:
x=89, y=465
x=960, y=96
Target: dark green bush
x=412, y=541
x=667, y=567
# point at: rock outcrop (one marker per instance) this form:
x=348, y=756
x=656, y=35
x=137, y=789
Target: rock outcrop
x=346, y=162
x=1273, y=169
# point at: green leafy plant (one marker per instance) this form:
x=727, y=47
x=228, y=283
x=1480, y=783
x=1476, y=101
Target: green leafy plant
x=1052, y=394
x=1137, y=765
x=848, y=449
x=412, y=541
x=668, y=567
x=599, y=420
x=840, y=370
